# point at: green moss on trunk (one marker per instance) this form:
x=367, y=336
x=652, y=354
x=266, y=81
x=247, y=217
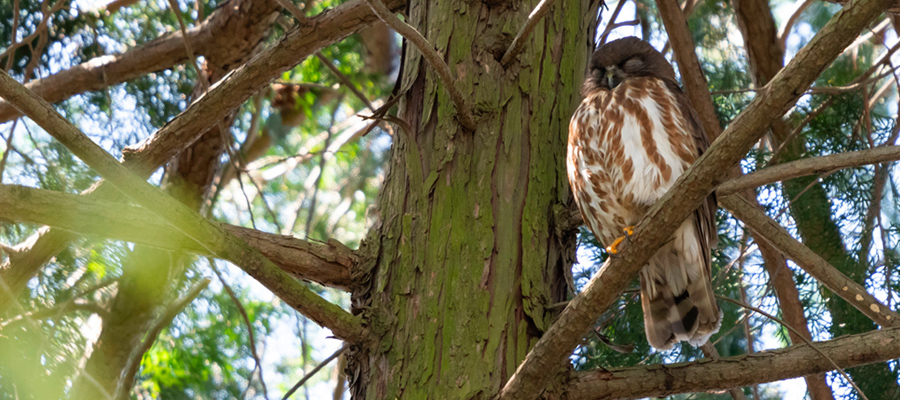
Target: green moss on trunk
x=467, y=258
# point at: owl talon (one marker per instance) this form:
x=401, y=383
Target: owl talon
x=613, y=248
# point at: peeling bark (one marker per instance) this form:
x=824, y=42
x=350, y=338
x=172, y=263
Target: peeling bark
x=466, y=258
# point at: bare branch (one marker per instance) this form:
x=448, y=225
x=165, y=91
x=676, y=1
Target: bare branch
x=798, y=333
x=251, y=336
x=344, y=80
x=189, y=222
x=518, y=42
x=710, y=351
x=767, y=366
x=612, y=22
x=768, y=229
x=786, y=30
x=464, y=113
x=695, y=85
x=147, y=156
x=809, y=166
x=38, y=30
x=164, y=320
x=315, y=370
x=294, y=10
x=554, y=347
x=326, y=263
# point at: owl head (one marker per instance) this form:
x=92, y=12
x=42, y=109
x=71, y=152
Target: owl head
x=625, y=58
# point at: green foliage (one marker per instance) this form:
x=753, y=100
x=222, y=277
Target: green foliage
x=309, y=188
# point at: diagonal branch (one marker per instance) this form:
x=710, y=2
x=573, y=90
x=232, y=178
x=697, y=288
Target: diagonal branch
x=161, y=53
x=145, y=157
x=326, y=263
x=767, y=366
x=553, y=349
x=172, y=311
x=434, y=59
x=693, y=80
x=518, y=42
x=809, y=166
x=210, y=235
x=811, y=262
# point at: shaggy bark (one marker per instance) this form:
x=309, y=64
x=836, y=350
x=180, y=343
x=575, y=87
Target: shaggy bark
x=459, y=273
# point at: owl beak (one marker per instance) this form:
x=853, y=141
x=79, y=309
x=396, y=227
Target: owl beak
x=611, y=77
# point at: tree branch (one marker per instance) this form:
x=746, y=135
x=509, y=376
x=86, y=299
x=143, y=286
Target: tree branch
x=325, y=263
x=101, y=72
x=145, y=157
x=767, y=366
x=463, y=112
x=553, y=349
x=692, y=78
x=210, y=235
x=172, y=311
x=768, y=229
x=518, y=42
x=809, y=166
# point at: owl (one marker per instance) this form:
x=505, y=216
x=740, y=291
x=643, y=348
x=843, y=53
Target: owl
x=633, y=135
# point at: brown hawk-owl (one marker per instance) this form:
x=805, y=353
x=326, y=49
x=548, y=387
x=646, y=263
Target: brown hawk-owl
x=632, y=136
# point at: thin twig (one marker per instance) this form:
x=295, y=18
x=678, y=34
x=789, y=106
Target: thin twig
x=518, y=42
x=9, y=139
x=13, y=34
x=252, y=337
x=39, y=30
x=765, y=228
x=310, y=214
x=294, y=10
x=809, y=166
x=612, y=22
x=344, y=79
x=164, y=320
x=431, y=56
x=786, y=30
x=315, y=370
x=796, y=332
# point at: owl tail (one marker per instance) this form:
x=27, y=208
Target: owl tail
x=676, y=293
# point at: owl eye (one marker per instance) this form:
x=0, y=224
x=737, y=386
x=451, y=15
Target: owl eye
x=632, y=64
x=599, y=72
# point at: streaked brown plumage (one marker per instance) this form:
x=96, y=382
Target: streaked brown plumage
x=633, y=135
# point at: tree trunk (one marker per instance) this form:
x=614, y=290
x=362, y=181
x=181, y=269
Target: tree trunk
x=469, y=254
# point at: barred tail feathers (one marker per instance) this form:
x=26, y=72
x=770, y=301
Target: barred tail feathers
x=676, y=292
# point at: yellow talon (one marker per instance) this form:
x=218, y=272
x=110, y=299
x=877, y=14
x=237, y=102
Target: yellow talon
x=612, y=248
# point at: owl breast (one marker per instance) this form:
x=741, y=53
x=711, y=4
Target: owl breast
x=627, y=146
